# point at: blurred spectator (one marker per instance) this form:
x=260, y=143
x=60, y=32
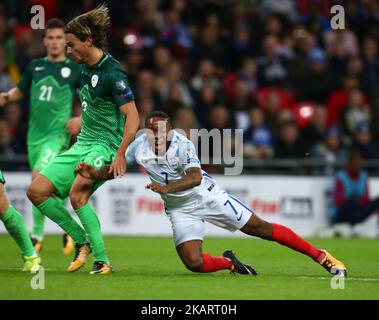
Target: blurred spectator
x=205, y=75
x=370, y=74
x=375, y=130
x=271, y=113
x=174, y=33
x=273, y=69
x=6, y=145
x=241, y=103
x=318, y=82
x=363, y=142
x=161, y=60
x=174, y=99
x=174, y=77
x=248, y=73
x=5, y=81
x=185, y=120
x=331, y=150
x=289, y=144
x=208, y=46
x=284, y=116
x=145, y=88
x=316, y=10
x=3, y=25
x=316, y=131
x=145, y=106
x=240, y=45
x=351, y=195
x=303, y=43
x=355, y=113
x=206, y=99
x=220, y=118
x=341, y=43
x=132, y=62
x=257, y=138
x=16, y=130
x=338, y=99
x=283, y=7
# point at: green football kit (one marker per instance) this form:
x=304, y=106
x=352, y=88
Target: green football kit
x=51, y=86
x=104, y=88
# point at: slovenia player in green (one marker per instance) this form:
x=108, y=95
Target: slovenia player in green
x=109, y=123
x=51, y=82
x=15, y=225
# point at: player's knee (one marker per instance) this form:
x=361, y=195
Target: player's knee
x=194, y=263
x=35, y=194
x=258, y=228
x=78, y=200
x=264, y=230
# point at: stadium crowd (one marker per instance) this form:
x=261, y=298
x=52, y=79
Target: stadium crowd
x=272, y=68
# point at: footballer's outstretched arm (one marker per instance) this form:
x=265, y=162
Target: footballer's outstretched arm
x=192, y=179
x=129, y=110
x=13, y=94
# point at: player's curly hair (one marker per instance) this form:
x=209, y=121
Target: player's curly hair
x=94, y=24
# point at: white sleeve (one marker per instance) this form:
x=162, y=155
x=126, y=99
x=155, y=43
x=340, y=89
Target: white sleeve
x=130, y=154
x=187, y=155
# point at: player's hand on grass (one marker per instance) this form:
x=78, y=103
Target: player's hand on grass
x=4, y=97
x=118, y=166
x=157, y=188
x=74, y=125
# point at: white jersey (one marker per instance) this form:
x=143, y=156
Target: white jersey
x=171, y=167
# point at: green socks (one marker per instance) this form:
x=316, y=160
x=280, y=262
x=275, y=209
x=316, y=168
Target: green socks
x=14, y=223
x=91, y=224
x=38, y=223
x=54, y=209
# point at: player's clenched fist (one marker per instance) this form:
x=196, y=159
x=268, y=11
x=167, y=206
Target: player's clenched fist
x=4, y=97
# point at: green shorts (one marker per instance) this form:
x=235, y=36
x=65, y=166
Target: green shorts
x=40, y=156
x=61, y=171
x=2, y=180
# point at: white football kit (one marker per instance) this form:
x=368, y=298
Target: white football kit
x=188, y=209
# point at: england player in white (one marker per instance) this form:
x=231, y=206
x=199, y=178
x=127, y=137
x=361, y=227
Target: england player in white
x=192, y=197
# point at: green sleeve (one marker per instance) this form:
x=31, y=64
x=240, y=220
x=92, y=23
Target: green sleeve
x=118, y=86
x=26, y=78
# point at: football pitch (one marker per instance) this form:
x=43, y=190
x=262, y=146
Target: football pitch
x=149, y=268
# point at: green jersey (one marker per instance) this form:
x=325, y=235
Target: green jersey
x=104, y=88
x=51, y=86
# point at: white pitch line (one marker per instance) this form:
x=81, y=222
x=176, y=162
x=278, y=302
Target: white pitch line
x=347, y=278
x=20, y=269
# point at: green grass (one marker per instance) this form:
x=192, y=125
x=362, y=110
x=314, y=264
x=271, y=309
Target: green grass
x=148, y=268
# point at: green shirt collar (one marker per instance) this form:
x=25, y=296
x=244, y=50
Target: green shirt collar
x=104, y=57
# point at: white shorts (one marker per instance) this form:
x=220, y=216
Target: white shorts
x=218, y=208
